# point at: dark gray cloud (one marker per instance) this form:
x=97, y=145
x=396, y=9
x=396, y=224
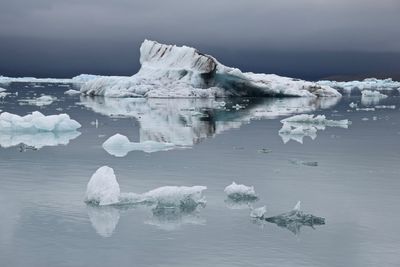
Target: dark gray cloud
x=240, y=25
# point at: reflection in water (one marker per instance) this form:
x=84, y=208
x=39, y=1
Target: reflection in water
x=105, y=219
x=36, y=140
x=186, y=122
x=239, y=204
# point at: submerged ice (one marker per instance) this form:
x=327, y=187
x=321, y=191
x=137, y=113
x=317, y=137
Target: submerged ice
x=171, y=71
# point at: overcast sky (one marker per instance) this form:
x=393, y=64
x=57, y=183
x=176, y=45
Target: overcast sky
x=62, y=37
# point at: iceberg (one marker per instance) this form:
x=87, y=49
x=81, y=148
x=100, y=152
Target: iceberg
x=169, y=71
x=298, y=126
x=36, y=122
x=369, y=97
x=240, y=192
x=43, y=100
x=370, y=84
x=103, y=189
x=119, y=145
x=292, y=220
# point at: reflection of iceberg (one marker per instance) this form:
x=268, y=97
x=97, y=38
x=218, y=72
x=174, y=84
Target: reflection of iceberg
x=41, y=101
x=183, y=72
x=298, y=126
x=186, y=122
x=119, y=145
x=292, y=220
x=38, y=139
x=104, y=219
x=369, y=97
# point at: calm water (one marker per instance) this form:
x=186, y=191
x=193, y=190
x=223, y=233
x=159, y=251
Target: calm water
x=355, y=187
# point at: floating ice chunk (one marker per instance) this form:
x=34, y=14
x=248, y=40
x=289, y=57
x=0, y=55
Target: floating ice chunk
x=370, y=84
x=72, y=92
x=119, y=145
x=365, y=109
x=240, y=192
x=385, y=106
x=318, y=121
x=353, y=105
x=172, y=71
x=43, y=100
x=292, y=220
x=37, y=122
x=4, y=94
x=369, y=97
x=103, y=188
x=258, y=213
x=36, y=140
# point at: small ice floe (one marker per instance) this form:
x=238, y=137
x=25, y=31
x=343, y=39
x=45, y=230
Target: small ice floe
x=364, y=119
x=237, y=107
x=292, y=220
x=43, y=100
x=264, y=150
x=369, y=97
x=103, y=189
x=385, y=107
x=305, y=163
x=119, y=145
x=353, y=105
x=72, y=92
x=240, y=191
x=37, y=122
x=3, y=93
x=299, y=126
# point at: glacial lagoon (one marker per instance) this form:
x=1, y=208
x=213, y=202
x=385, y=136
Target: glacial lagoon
x=347, y=175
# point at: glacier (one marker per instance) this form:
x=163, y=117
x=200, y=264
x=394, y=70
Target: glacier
x=170, y=71
x=37, y=122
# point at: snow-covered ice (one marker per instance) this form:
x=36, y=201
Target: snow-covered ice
x=169, y=71
x=240, y=192
x=369, y=97
x=37, y=122
x=119, y=145
x=298, y=126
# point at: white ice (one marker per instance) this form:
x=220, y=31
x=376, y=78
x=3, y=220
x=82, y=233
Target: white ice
x=240, y=191
x=369, y=84
x=258, y=212
x=72, y=92
x=119, y=145
x=37, y=122
x=103, y=189
x=169, y=71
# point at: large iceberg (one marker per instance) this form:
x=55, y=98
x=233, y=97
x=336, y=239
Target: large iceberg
x=37, y=122
x=169, y=71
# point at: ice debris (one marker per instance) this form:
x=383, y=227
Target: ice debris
x=298, y=126
x=169, y=71
x=72, y=92
x=37, y=122
x=119, y=145
x=370, y=84
x=369, y=97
